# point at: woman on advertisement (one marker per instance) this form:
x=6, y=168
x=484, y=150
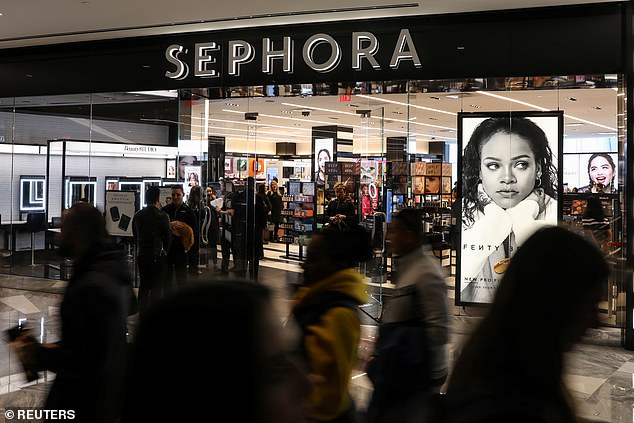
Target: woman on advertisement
x=509, y=191
x=601, y=171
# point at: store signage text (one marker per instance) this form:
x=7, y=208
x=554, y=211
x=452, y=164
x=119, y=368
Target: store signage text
x=140, y=149
x=365, y=45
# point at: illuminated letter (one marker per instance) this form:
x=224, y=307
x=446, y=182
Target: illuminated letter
x=368, y=51
x=203, y=57
x=310, y=46
x=240, y=52
x=268, y=55
x=171, y=54
x=400, y=53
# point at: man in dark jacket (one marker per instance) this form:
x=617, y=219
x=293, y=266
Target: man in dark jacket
x=341, y=211
x=89, y=360
x=151, y=229
x=177, y=256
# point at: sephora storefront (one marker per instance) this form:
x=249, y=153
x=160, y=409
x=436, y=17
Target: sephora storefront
x=392, y=108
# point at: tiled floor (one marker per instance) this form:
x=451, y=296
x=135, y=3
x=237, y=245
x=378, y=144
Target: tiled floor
x=599, y=373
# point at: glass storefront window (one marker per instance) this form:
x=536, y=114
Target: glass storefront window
x=393, y=144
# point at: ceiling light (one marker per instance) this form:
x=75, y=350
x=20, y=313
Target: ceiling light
x=406, y=105
x=571, y=99
x=543, y=109
x=574, y=124
x=454, y=96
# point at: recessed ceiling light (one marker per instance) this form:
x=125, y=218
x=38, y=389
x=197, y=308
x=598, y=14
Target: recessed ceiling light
x=571, y=99
x=453, y=96
x=475, y=106
x=1, y=14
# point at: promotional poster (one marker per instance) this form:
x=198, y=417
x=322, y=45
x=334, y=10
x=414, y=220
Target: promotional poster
x=323, y=153
x=591, y=172
x=510, y=189
x=120, y=210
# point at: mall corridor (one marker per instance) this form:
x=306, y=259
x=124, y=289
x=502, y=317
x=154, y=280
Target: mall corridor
x=599, y=372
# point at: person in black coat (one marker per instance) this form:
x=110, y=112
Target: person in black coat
x=341, y=210
x=275, y=198
x=151, y=229
x=89, y=360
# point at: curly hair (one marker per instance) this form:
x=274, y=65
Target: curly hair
x=511, y=125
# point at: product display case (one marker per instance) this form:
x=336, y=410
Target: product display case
x=298, y=216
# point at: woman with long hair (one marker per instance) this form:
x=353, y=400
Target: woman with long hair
x=509, y=191
x=510, y=369
x=601, y=172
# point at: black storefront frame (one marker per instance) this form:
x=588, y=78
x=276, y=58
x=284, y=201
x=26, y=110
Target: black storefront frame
x=539, y=41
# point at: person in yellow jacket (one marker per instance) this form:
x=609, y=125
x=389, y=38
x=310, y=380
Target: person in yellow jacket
x=325, y=309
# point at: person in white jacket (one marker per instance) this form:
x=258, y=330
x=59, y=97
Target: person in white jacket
x=509, y=191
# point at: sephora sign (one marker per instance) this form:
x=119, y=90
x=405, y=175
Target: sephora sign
x=207, y=58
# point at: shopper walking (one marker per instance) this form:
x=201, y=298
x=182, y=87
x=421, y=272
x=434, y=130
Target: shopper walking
x=89, y=359
x=510, y=369
x=410, y=361
x=325, y=309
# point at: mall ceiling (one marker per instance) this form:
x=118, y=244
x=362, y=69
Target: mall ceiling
x=36, y=22
x=589, y=109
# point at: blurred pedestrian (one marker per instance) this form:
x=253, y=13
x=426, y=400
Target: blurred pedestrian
x=151, y=229
x=595, y=224
x=89, y=359
x=510, y=370
x=410, y=362
x=244, y=374
x=325, y=309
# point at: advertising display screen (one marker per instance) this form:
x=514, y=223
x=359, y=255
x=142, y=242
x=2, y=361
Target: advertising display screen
x=510, y=189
